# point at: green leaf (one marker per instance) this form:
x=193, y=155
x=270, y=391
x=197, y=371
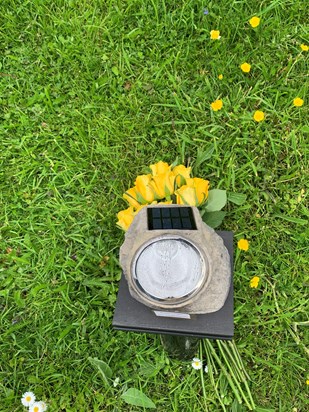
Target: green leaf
x=137, y=398
x=216, y=200
x=237, y=198
x=258, y=409
x=149, y=369
x=293, y=219
x=103, y=368
x=115, y=71
x=202, y=156
x=213, y=219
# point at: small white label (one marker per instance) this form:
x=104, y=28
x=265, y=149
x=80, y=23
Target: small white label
x=172, y=315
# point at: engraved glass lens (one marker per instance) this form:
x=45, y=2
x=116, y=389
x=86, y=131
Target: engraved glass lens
x=170, y=268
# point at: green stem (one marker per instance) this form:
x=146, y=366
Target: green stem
x=237, y=356
x=210, y=371
x=232, y=359
x=226, y=373
x=233, y=375
x=202, y=379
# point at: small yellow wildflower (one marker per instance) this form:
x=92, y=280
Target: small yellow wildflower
x=243, y=244
x=220, y=77
x=254, y=282
x=307, y=382
x=304, y=47
x=215, y=35
x=216, y=105
x=245, y=67
x=258, y=116
x=298, y=102
x=254, y=21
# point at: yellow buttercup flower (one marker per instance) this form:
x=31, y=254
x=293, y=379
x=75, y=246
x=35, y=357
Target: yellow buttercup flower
x=181, y=173
x=215, y=35
x=220, y=77
x=131, y=197
x=216, y=105
x=125, y=218
x=143, y=187
x=258, y=116
x=254, y=21
x=245, y=67
x=307, y=382
x=254, y=282
x=162, y=185
x=304, y=47
x=243, y=244
x=159, y=168
x=298, y=102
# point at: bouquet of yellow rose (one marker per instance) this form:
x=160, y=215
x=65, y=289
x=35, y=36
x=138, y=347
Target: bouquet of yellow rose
x=167, y=184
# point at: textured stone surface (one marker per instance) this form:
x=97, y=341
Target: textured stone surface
x=213, y=290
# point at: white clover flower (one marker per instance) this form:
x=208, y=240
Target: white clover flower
x=197, y=364
x=206, y=369
x=28, y=398
x=36, y=407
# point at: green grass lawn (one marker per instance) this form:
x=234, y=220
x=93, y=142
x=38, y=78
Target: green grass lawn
x=94, y=91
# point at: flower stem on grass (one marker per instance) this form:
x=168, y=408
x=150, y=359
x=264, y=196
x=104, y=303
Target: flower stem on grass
x=202, y=379
x=230, y=375
x=239, y=370
x=237, y=358
x=211, y=375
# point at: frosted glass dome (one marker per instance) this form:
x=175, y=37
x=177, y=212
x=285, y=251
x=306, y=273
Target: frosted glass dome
x=169, y=269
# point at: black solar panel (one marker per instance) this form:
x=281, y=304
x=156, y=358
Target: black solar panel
x=180, y=218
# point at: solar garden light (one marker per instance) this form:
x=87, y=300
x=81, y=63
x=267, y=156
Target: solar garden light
x=174, y=263
x=178, y=279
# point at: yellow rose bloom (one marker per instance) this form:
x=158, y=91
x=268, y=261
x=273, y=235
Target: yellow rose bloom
x=163, y=185
x=254, y=21
x=125, y=218
x=245, y=67
x=304, y=47
x=194, y=193
x=254, y=282
x=186, y=196
x=131, y=197
x=159, y=168
x=167, y=202
x=215, y=35
x=201, y=188
x=144, y=189
x=298, y=102
x=258, y=116
x=216, y=105
x=181, y=173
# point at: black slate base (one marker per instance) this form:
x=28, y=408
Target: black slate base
x=131, y=315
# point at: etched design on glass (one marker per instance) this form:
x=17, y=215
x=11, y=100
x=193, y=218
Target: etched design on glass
x=171, y=268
